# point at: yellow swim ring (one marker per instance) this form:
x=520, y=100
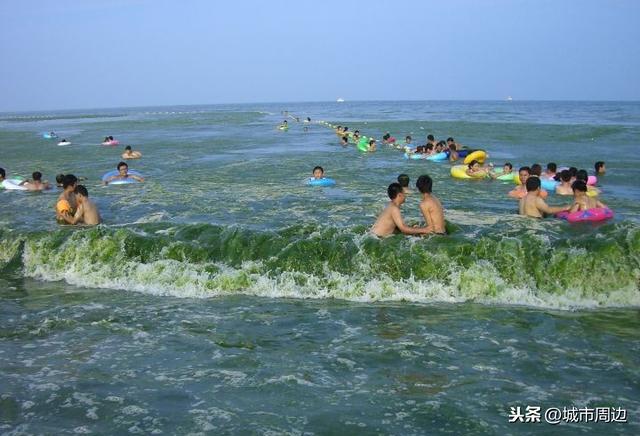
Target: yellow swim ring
x=460, y=172
x=479, y=155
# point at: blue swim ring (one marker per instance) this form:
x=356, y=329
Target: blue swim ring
x=325, y=181
x=438, y=157
x=121, y=181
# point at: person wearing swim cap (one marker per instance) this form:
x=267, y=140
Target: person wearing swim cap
x=66, y=204
x=390, y=220
x=532, y=204
x=131, y=154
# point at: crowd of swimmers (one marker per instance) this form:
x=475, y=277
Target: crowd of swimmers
x=73, y=205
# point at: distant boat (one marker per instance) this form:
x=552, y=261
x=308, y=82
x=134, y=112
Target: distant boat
x=340, y=100
x=509, y=98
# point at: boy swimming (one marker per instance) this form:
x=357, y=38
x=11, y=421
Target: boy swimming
x=582, y=201
x=123, y=170
x=130, y=154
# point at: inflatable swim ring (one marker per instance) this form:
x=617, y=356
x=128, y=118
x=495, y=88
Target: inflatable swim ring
x=49, y=136
x=505, y=177
x=113, y=142
x=438, y=157
x=325, y=181
x=121, y=181
x=591, y=215
x=283, y=128
x=363, y=144
x=460, y=172
x=548, y=184
x=64, y=143
x=13, y=184
x=414, y=156
x=479, y=155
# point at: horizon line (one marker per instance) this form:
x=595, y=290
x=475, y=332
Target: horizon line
x=318, y=101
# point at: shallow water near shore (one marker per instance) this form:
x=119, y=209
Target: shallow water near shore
x=224, y=295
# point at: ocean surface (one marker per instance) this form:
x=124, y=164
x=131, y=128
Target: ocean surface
x=223, y=295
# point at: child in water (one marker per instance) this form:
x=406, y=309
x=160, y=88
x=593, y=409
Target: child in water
x=87, y=212
x=390, y=220
x=532, y=204
x=582, y=201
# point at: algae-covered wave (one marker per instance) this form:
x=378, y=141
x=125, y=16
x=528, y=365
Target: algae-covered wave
x=580, y=269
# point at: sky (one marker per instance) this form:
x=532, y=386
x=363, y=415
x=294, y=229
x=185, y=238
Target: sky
x=67, y=54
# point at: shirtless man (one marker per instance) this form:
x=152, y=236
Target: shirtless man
x=532, y=205
x=130, y=154
x=66, y=204
x=87, y=212
x=403, y=180
x=391, y=220
x=36, y=184
x=581, y=200
x=123, y=170
x=430, y=207
x=564, y=187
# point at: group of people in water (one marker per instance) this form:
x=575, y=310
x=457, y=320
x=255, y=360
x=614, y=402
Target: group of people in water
x=529, y=193
x=73, y=205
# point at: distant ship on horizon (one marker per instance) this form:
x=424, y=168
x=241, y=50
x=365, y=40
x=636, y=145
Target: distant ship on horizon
x=340, y=100
x=509, y=98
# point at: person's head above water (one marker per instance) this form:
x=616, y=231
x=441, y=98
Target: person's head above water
x=472, y=163
x=579, y=186
x=536, y=170
x=394, y=191
x=552, y=167
x=36, y=176
x=523, y=174
x=450, y=140
x=318, y=172
x=424, y=184
x=81, y=190
x=3, y=174
x=123, y=168
x=69, y=180
x=507, y=166
x=127, y=148
x=600, y=168
x=565, y=175
x=403, y=179
x=408, y=138
x=533, y=184
x=430, y=138
x=582, y=175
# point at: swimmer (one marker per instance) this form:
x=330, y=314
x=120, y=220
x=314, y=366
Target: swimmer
x=87, y=212
x=600, y=168
x=372, y=145
x=550, y=172
x=407, y=142
x=581, y=201
x=130, y=154
x=453, y=153
x=536, y=170
x=532, y=205
x=66, y=204
x=431, y=207
x=308, y=120
x=59, y=180
x=390, y=220
x=318, y=173
x=284, y=125
x=507, y=168
x=431, y=140
x=36, y=184
x=564, y=187
x=403, y=180
x=123, y=169
x=344, y=141
x=440, y=147
x=521, y=190
x=3, y=175
x=475, y=170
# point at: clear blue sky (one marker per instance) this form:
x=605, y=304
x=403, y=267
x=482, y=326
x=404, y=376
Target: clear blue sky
x=89, y=54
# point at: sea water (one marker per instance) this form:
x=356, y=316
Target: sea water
x=223, y=295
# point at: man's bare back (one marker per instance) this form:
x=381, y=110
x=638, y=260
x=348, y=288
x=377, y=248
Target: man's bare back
x=433, y=214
